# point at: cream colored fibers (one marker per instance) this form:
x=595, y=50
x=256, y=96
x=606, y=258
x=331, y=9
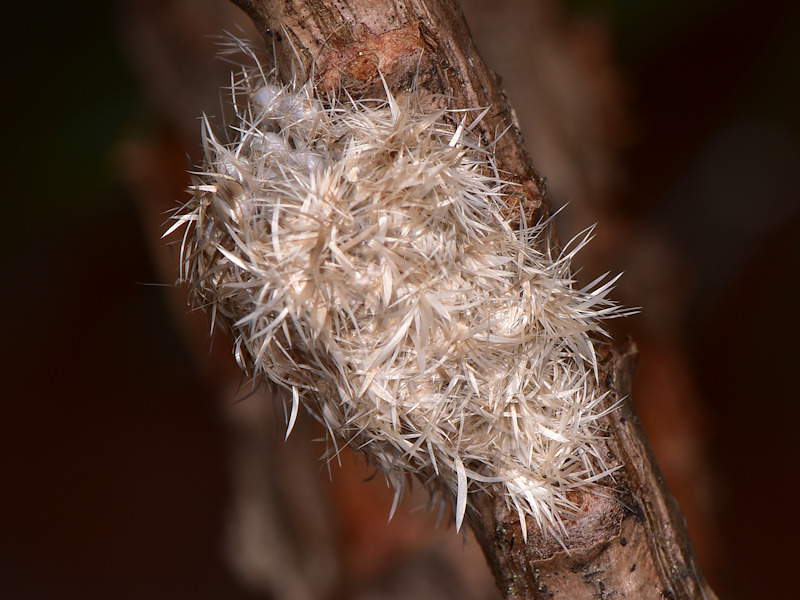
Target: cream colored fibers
x=359, y=253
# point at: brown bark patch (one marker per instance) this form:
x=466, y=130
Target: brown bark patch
x=357, y=63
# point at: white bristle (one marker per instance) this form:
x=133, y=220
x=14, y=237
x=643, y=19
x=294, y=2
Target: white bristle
x=359, y=253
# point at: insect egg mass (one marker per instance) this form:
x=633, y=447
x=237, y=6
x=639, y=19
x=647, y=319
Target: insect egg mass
x=361, y=255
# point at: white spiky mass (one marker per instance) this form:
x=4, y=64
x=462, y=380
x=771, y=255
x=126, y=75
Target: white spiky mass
x=360, y=253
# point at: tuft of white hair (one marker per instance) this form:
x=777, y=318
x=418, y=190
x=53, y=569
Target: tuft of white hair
x=360, y=252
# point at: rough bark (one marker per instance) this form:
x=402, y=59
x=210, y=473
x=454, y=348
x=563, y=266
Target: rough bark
x=632, y=541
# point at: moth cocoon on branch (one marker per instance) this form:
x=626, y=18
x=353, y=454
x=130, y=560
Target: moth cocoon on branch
x=360, y=253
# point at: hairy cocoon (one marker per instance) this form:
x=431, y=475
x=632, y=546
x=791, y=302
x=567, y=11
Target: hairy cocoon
x=359, y=251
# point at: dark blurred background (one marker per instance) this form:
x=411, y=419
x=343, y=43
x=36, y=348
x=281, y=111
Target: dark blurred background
x=113, y=468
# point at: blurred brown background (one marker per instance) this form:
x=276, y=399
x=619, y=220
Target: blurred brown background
x=673, y=123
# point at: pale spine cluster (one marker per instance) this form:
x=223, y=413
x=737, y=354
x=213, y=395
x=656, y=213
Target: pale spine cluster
x=360, y=254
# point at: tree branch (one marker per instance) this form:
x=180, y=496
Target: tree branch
x=631, y=542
